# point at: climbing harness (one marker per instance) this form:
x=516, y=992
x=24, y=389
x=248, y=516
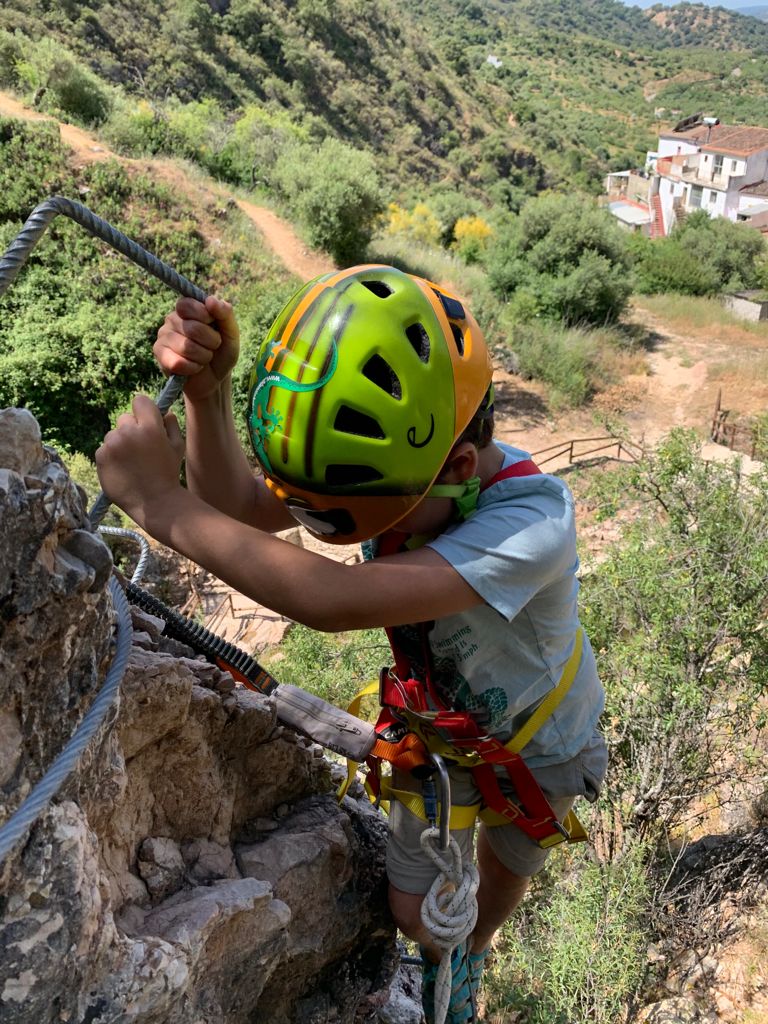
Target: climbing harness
x=414, y=722
x=418, y=733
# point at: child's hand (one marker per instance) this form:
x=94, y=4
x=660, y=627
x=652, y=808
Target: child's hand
x=201, y=342
x=140, y=460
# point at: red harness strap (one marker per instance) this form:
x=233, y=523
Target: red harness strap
x=401, y=692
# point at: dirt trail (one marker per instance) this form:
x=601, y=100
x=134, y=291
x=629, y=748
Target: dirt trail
x=279, y=235
x=85, y=146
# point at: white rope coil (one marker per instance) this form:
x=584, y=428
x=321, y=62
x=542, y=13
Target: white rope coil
x=449, y=910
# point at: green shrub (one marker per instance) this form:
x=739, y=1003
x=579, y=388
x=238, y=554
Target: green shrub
x=568, y=254
x=59, y=84
x=32, y=167
x=564, y=359
x=11, y=52
x=449, y=207
x=703, y=256
x=334, y=190
x=666, y=265
x=579, y=953
x=685, y=664
x=733, y=251
x=138, y=129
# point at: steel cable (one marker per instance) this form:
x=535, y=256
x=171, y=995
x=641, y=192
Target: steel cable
x=134, y=535
x=42, y=794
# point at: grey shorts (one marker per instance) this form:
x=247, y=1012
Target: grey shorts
x=410, y=870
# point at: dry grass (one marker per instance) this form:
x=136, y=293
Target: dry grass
x=702, y=317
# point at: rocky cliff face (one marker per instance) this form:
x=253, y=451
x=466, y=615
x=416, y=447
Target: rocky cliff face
x=196, y=867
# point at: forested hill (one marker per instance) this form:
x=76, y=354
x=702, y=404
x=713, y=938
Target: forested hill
x=657, y=28
x=500, y=98
x=696, y=25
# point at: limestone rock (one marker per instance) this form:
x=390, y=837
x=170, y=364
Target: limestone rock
x=125, y=902
x=675, y=1011
x=160, y=865
x=20, y=446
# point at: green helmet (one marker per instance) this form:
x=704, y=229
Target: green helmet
x=363, y=384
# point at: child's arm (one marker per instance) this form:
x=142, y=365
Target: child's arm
x=201, y=342
x=139, y=470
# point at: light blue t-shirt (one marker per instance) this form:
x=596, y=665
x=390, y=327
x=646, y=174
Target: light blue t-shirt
x=500, y=659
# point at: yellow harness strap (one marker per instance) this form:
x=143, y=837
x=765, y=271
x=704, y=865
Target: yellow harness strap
x=354, y=709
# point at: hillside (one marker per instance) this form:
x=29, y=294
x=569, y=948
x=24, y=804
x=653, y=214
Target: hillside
x=358, y=72
x=497, y=100
x=698, y=25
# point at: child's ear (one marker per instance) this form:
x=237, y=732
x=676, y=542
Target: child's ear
x=460, y=465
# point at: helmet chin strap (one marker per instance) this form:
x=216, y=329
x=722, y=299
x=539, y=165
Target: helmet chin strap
x=464, y=496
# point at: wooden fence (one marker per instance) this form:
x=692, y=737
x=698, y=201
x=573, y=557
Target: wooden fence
x=741, y=437
x=575, y=453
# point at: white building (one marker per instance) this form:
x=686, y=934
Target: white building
x=719, y=168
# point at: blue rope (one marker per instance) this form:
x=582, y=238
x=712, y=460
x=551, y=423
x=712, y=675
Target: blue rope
x=42, y=794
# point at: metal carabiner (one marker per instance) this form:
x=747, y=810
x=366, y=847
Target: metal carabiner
x=444, y=784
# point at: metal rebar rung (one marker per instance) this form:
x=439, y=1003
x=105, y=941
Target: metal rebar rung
x=34, y=227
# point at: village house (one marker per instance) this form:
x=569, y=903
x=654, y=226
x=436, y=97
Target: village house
x=699, y=165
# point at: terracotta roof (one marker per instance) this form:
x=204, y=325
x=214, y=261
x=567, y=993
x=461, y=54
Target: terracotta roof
x=740, y=140
x=757, y=188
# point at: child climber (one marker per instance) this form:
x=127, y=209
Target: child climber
x=371, y=418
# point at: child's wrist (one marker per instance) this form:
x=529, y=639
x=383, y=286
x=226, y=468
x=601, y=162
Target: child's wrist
x=157, y=511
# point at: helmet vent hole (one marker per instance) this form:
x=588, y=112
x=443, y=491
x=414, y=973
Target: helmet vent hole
x=458, y=337
x=419, y=339
x=350, y=421
x=379, y=372
x=345, y=476
x=379, y=288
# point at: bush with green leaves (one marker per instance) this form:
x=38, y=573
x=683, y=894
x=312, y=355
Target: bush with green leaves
x=335, y=191
x=677, y=612
x=53, y=78
x=576, y=950
x=449, y=207
x=666, y=265
x=561, y=357
x=566, y=257
x=703, y=256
